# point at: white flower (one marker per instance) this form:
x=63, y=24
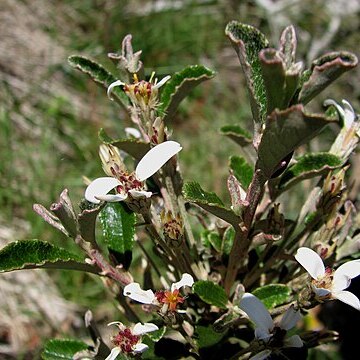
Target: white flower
x=128, y=340
x=132, y=184
x=271, y=333
x=326, y=283
x=168, y=298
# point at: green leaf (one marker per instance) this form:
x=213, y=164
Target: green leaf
x=228, y=240
x=157, y=334
x=248, y=42
x=100, y=75
x=62, y=349
x=211, y=293
x=273, y=295
x=308, y=166
x=33, y=254
x=194, y=192
x=324, y=71
x=237, y=134
x=242, y=170
x=134, y=147
x=209, y=201
x=211, y=238
x=118, y=224
x=179, y=86
x=284, y=132
x=207, y=336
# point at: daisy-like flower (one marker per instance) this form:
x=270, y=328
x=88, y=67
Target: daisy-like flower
x=168, y=300
x=128, y=341
x=326, y=283
x=132, y=184
x=272, y=334
x=141, y=93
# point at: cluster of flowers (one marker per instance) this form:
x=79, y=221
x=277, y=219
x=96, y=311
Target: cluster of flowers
x=326, y=284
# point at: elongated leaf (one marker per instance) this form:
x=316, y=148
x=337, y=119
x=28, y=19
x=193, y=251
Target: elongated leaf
x=210, y=202
x=237, y=134
x=33, y=254
x=62, y=349
x=211, y=293
x=308, y=166
x=284, y=132
x=273, y=295
x=99, y=74
x=242, y=170
x=178, y=87
x=228, y=240
x=324, y=71
x=248, y=42
x=118, y=224
x=134, y=147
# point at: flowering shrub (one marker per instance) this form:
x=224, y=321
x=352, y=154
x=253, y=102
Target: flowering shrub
x=213, y=269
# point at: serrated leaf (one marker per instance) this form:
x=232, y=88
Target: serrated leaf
x=284, y=132
x=118, y=225
x=62, y=349
x=209, y=201
x=308, y=166
x=33, y=254
x=99, y=74
x=210, y=293
x=134, y=147
x=324, y=71
x=248, y=42
x=237, y=134
x=273, y=295
x=242, y=170
x=179, y=86
x=207, y=336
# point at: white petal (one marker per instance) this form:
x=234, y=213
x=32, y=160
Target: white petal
x=99, y=187
x=349, y=114
x=162, y=82
x=329, y=102
x=290, y=318
x=262, y=333
x=140, y=329
x=293, y=341
x=344, y=274
x=256, y=311
x=112, y=198
x=155, y=158
x=311, y=261
x=134, y=292
x=320, y=292
x=348, y=298
x=186, y=280
x=262, y=355
x=140, y=348
x=136, y=194
x=111, y=86
x=114, y=353
x=130, y=131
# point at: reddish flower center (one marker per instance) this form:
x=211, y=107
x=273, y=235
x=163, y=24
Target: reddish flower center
x=171, y=298
x=125, y=340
